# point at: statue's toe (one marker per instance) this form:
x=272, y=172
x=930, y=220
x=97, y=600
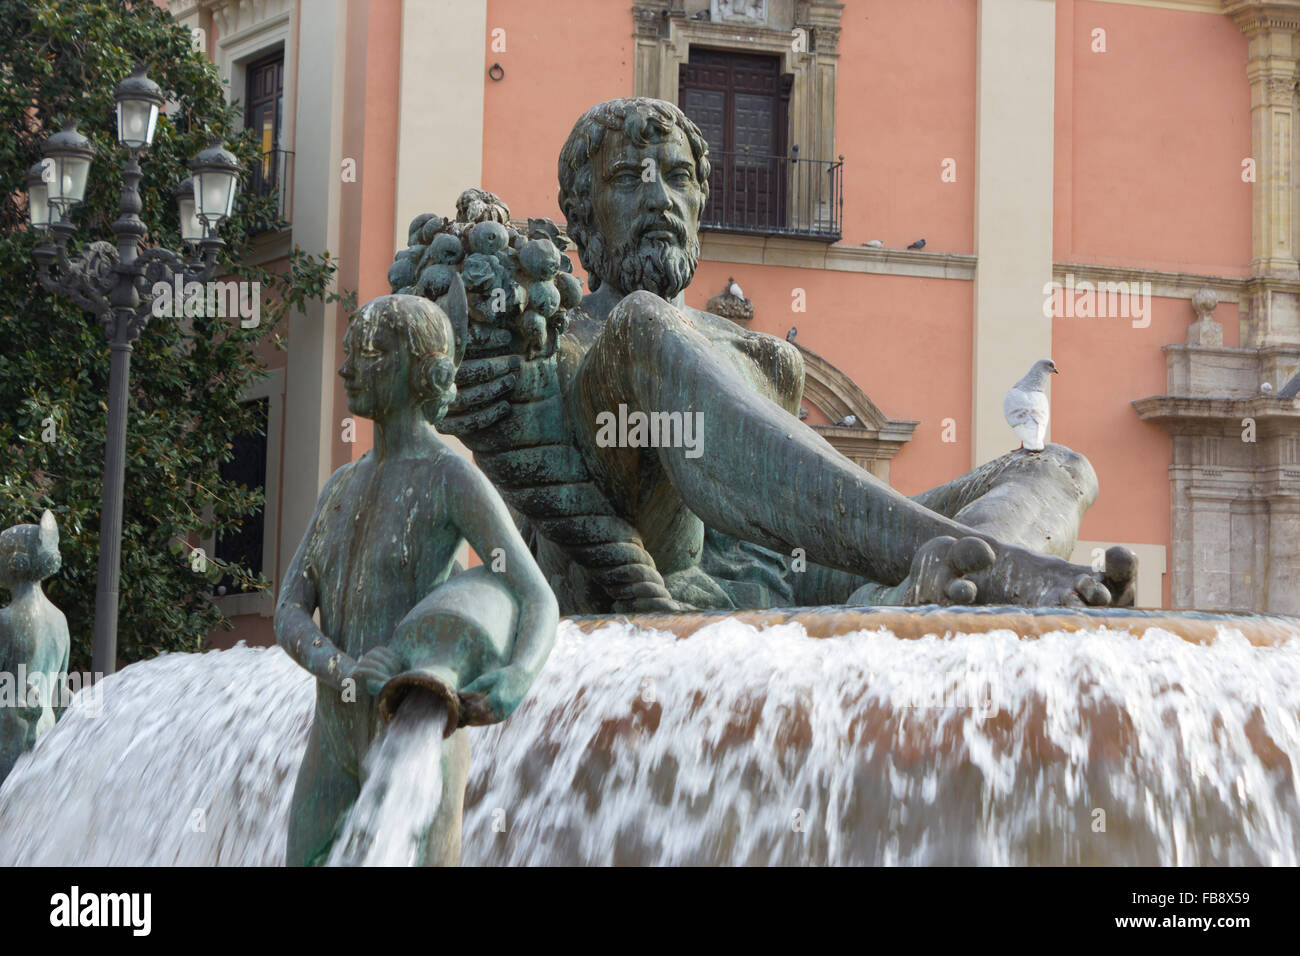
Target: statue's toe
x=1120, y=575
x=971, y=554
x=1092, y=591
x=961, y=591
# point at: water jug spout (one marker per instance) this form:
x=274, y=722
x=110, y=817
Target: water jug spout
x=462, y=630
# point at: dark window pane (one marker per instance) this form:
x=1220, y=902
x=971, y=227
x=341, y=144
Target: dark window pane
x=246, y=468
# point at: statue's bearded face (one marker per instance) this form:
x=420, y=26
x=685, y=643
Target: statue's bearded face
x=646, y=202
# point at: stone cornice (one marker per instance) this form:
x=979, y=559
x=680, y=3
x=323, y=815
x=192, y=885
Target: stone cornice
x=811, y=254
x=1258, y=16
x=1187, y=6
x=1171, y=285
x=1176, y=412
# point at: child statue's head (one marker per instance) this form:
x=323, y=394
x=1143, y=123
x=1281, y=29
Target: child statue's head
x=29, y=552
x=399, y=352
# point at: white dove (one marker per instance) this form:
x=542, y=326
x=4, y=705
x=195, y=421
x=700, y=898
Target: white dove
x=1026, y=408
x=734, y=289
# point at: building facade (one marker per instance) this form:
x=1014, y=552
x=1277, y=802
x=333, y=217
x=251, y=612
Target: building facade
x=1110, y=183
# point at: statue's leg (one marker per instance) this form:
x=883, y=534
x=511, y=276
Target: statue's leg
x=763, y=476
x=322, y=796
x=13, y=739
x=442, y=842
x=1034, y=500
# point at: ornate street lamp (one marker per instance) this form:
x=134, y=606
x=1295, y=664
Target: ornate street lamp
x=115, y=284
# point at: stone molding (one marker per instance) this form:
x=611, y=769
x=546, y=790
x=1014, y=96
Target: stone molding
x=810, y=254
x=838, y=257
x=1168, y=285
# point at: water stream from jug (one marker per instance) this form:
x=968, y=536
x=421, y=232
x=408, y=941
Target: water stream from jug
x=402, y=791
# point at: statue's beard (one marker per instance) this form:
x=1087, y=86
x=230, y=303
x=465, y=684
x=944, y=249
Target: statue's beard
x=662, y=266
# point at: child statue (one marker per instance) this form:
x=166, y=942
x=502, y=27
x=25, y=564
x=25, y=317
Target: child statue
x=34, y=642
x=377, y=561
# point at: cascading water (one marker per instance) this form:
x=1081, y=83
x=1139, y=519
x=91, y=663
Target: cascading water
x=402, y=791
x=733, y=745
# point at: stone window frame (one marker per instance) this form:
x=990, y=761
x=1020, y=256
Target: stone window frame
x=665, y=35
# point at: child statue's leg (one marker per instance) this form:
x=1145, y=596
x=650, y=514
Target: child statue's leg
x=324, y=793
x=442, y=842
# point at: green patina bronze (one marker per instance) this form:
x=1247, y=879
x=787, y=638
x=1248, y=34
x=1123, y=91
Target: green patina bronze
x=378, y=563
x=619, y=521
x=34, y=641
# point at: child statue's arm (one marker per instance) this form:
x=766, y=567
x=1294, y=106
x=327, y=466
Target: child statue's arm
x=485, y=523
x=295, y=631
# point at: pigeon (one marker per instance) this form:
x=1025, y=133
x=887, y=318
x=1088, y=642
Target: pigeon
x=1026, y=408
x=733, y=289
x=873, y=243
x=803, y=412
x=919, y=244
x=1266, y=388
x=848, y=421
x=794, y=330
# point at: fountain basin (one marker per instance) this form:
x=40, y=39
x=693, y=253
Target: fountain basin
x=1101, y=737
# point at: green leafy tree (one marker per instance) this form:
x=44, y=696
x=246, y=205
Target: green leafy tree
x=62, y=58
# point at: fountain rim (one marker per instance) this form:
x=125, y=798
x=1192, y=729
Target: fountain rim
x=1195, y=626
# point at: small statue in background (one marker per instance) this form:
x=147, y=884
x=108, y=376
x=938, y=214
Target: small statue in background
x=34, y=642
x=378, y=560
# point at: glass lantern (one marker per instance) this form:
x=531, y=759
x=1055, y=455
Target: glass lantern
x=138, y=101
x=216, y=180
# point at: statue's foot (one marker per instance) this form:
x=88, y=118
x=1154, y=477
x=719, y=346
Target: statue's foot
x=1120, y=576
x=968, y=571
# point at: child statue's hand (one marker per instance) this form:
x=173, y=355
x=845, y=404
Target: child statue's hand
x=493, y=697
x=376, y=668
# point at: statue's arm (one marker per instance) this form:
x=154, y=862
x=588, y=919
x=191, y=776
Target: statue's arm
x=484, y=521
x=295, y=631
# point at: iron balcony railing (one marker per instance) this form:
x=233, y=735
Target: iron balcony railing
x=273, y=176
x=775, y=195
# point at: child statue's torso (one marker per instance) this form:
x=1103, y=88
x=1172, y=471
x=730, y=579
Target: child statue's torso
x=383, y=541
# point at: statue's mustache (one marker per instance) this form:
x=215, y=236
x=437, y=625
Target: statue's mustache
x=662, y=223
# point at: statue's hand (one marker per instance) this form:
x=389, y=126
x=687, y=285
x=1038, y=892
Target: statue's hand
x=493, y=697
x=376, y=668
x=483, y=387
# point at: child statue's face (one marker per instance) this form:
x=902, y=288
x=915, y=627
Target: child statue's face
x=375, y=370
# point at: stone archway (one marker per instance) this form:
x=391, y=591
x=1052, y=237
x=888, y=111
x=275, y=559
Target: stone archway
x=874, y=439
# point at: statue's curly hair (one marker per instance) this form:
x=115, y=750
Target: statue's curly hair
x=641, y=119
x=430, y=342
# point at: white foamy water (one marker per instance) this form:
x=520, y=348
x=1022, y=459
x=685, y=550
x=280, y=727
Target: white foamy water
x=732, y=746
x=402, y=791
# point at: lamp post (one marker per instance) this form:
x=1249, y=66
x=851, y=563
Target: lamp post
x=110, y=282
